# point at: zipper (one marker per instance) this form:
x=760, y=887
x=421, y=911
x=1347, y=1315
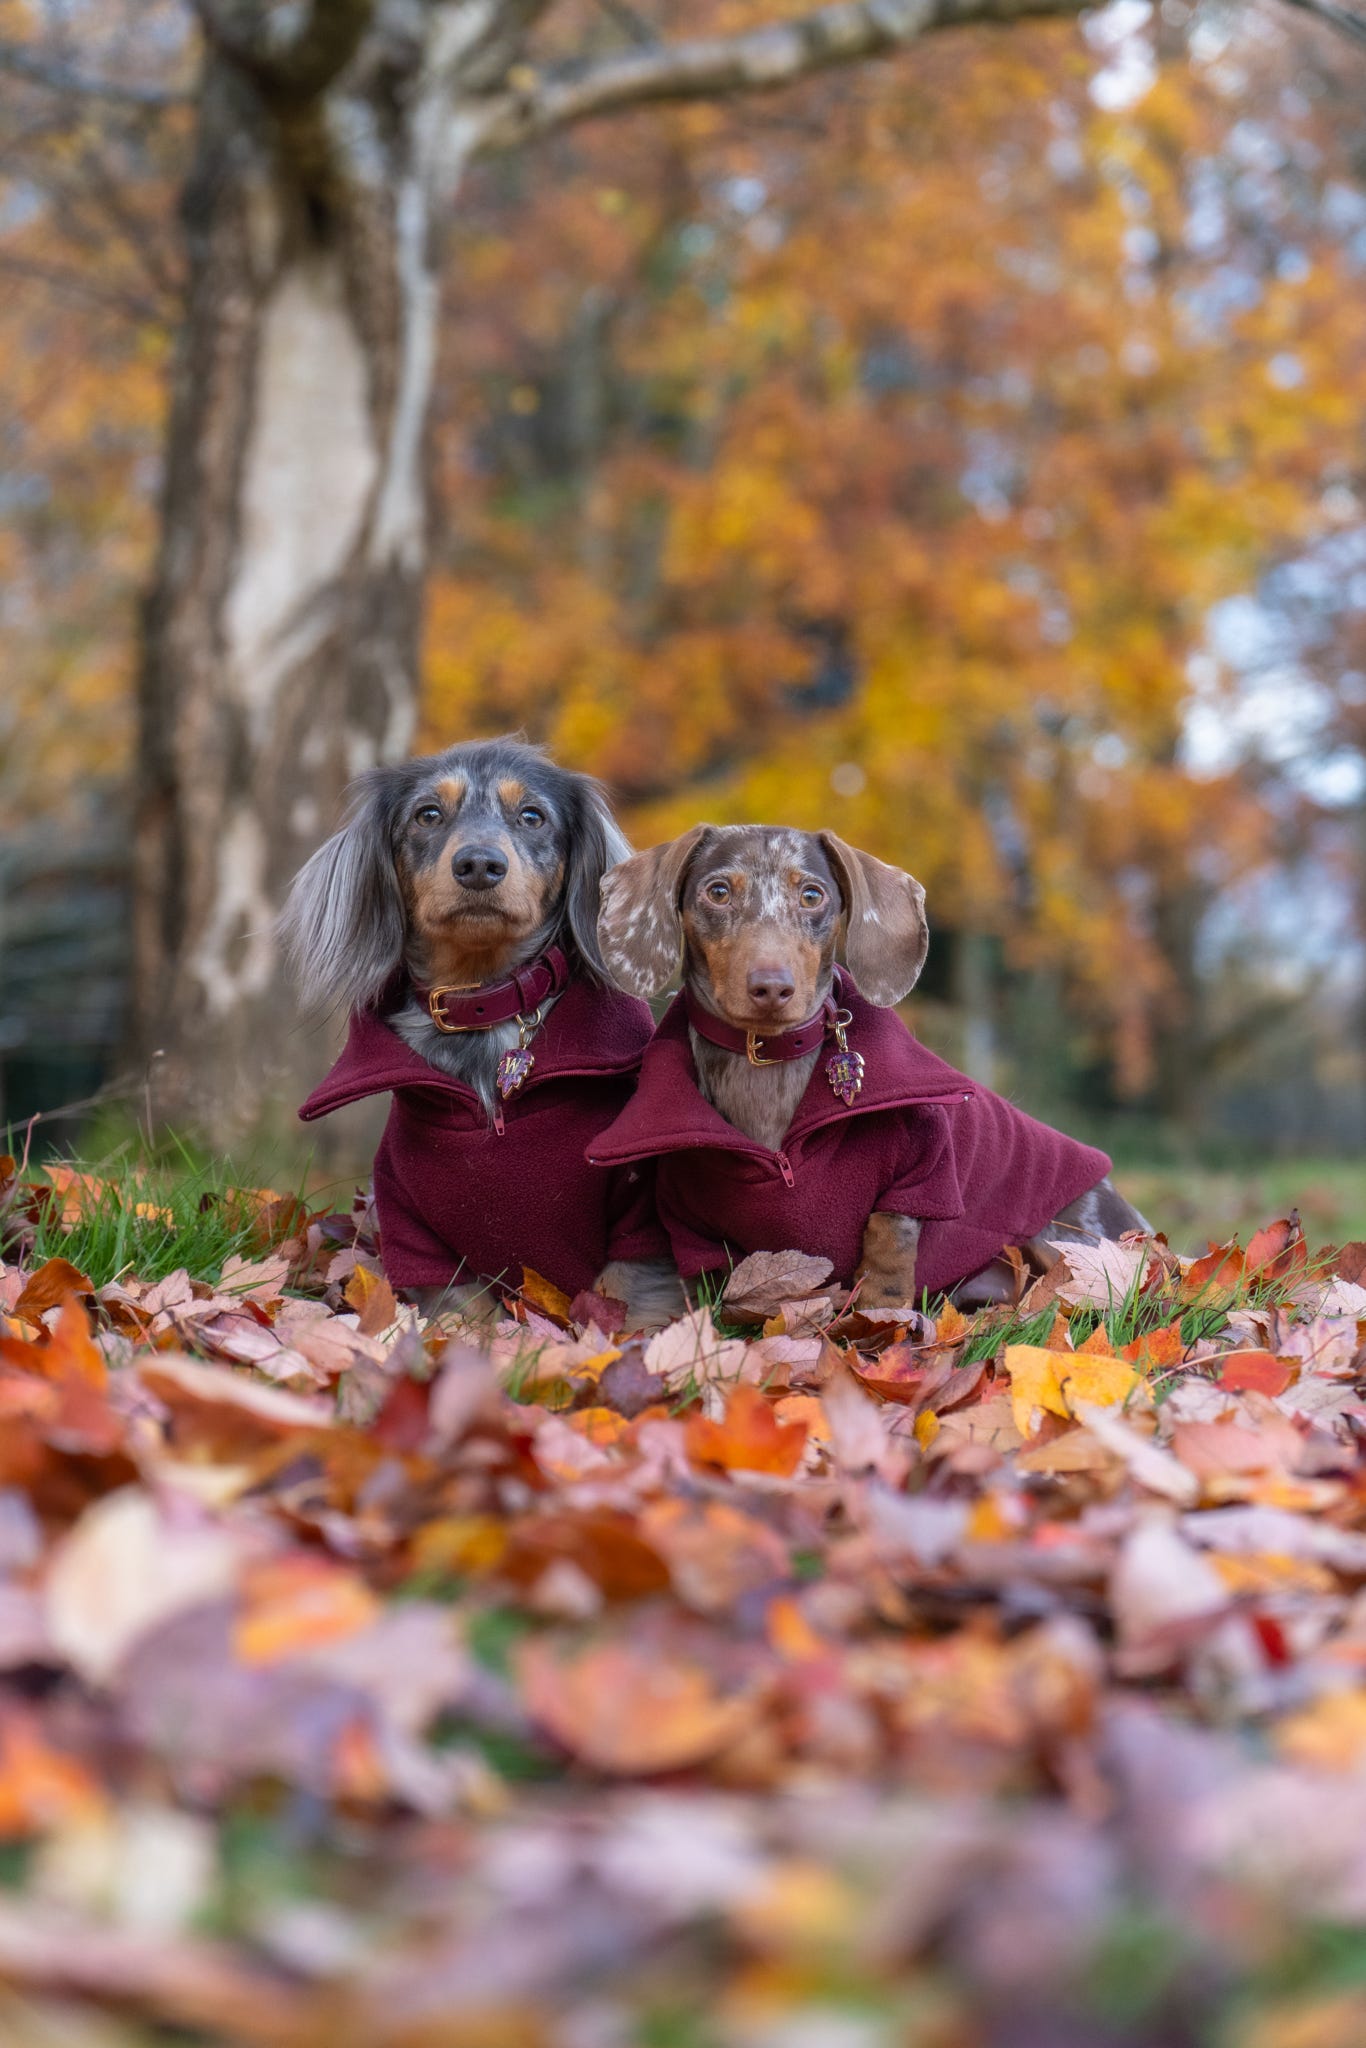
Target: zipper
x=785, y=1169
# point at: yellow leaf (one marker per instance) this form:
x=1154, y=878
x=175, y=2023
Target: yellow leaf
x=1330, y=1735
x=1035, y=1382
x=1105, y=1382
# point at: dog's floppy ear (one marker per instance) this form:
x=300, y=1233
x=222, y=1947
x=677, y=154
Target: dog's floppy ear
x=597, y=843
x=343, y=922
x=885, y=933
x=639, y=925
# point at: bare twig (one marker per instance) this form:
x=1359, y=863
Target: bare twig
x=55, y=74
x=761, y=60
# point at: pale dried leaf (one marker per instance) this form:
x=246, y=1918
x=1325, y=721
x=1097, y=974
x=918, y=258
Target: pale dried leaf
x=763, y=1283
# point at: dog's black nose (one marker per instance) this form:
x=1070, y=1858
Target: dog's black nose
x=769, y=987
x=478, y=867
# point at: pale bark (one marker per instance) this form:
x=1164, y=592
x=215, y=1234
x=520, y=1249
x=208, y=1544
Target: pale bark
x=282, y=634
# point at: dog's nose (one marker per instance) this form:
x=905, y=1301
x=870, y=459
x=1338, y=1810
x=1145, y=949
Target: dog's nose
x=770, y=987
x=478, y=867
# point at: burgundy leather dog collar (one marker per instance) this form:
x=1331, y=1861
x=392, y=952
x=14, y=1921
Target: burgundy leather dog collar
x=497, y=1002
x=763, y=1048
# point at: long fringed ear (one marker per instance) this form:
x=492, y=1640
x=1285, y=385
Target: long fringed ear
x=639, y=926
x=885, y=933
x=343, y=922
x=597, y=843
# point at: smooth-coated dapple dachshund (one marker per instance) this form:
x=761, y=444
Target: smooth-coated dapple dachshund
x=455, y=917
x=828, y=1098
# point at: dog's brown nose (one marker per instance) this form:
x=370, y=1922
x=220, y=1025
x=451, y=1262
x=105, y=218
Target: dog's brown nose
x=478, y=867
x=770, y=987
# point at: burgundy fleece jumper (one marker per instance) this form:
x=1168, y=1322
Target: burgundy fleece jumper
x=920, y=1140
x=456, y=1200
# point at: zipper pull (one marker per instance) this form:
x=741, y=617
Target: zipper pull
x=785, y=1169
x=498, y=1123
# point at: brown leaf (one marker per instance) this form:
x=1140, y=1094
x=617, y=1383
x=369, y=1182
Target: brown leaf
x=373, y=1300
x=762, y=1283
x=627, y=1386
x=1350, y=1263
x=602, y=1543
x=546, y=1298
x=52, y=1283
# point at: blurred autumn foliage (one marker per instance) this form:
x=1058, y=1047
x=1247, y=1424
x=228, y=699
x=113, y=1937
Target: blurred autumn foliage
x=891, y=484
x=893, y=455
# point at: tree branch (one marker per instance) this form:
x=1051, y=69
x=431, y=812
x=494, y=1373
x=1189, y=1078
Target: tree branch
x=55, y=75
x=1343, y=19
x=301, y=65
x=762, y=60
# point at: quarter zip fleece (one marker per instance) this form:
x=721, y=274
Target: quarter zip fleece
x=920, y=1140
x=457, y=1200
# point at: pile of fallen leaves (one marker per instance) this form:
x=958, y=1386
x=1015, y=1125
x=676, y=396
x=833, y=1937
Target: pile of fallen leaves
x=799, y=1677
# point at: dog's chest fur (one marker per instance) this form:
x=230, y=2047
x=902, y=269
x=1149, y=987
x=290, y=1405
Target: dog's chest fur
x=760, y=1101
x=468, y=1056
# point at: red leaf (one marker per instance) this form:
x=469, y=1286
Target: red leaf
x=1256, y=1372
x=402, y=1422
x=1278, y=1251
x=603, y=1309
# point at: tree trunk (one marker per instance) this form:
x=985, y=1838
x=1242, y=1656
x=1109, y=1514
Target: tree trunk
x=281, y=635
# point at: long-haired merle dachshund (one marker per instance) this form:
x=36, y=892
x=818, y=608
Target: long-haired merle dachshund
x=787, y=1108
x=455, y=917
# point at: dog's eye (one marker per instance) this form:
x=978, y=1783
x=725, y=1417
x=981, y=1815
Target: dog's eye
x=529, y=815
x=812, y=896
x=427, y=814
x=718, y=892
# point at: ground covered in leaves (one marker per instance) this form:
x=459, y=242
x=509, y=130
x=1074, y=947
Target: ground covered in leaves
x=796, y=1679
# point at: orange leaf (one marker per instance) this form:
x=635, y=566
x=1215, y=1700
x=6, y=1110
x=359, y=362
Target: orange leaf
x=372, y=1297
x=950, y=1324
x=1256, y=1372
x=1219, y=1272
x=51, y=1283
x=1156, y=1350
x=294, y=1603
x=40, y=1788
x=545, y=1297
x=751, y=1438
x=1278, y=1251
x=68, y=1353
x=631, y=1710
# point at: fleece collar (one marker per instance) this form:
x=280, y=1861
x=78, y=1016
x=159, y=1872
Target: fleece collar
x=669, y=1113
x=589, y=1031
